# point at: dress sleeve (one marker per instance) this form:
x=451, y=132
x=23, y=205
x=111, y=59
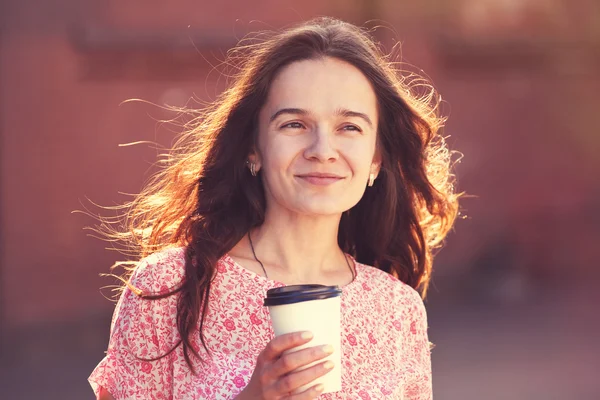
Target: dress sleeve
x=418, y=380
x=138, y=333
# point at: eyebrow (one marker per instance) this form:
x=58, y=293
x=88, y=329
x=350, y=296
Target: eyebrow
x=344, y=112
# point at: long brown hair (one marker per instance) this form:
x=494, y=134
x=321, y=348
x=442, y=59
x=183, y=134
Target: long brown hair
x=205, y=200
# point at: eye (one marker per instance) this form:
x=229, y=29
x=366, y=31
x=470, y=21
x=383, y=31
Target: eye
x=351, y=128
x=293, y=125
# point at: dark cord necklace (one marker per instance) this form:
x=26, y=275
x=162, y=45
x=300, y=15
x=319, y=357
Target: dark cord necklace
x=256, y=258
x=265, y=271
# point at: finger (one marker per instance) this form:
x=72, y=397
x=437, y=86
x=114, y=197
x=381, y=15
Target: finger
x=284, y=342
x=308, y=394
x=291, y=361
x=293, y=381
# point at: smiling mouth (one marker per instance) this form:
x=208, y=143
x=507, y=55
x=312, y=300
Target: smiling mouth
x=320, y=179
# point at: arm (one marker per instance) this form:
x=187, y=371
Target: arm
x=104, y=395
x=418, y=384
x=124, y=371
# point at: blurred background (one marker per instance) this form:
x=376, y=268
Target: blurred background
x=513, y=308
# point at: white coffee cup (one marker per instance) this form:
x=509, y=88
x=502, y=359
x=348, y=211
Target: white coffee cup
x=314, y=308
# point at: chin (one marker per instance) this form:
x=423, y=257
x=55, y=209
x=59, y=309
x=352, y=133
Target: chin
x=323, y=208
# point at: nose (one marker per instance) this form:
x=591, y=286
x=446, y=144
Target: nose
x=322, y=147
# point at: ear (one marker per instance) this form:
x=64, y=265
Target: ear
x=254, y=158
x=376, y=164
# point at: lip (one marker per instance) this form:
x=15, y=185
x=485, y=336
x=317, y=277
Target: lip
x=320, y=178
x=320, y=175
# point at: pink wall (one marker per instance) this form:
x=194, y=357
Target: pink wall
x=519, y=84
x=525, y=126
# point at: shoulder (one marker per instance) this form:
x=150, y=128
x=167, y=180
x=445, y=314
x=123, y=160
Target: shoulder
x=136, y=318
x=160, y=271
x=390, y=288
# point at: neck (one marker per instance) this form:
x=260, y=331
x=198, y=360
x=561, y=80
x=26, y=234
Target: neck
x=302, y=248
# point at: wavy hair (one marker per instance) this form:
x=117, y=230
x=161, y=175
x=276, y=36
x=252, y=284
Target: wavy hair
x=204, y=200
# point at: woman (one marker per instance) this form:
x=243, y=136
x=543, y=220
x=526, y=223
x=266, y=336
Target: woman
x=316, y=166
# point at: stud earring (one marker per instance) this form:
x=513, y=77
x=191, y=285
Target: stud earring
x=371, y=179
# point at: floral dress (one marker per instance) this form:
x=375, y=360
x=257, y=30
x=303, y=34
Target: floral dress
x=385, y=349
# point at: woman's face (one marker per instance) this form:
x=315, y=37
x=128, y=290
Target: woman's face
x=317, y=137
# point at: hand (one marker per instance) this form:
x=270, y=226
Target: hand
x=275, y=376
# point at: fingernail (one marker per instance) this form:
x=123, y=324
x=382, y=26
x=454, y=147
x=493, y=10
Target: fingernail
x=319, y=387
x=327, y=349
x=306, y=335
x=328, y=365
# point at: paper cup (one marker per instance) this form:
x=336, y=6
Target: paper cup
x=314, y=308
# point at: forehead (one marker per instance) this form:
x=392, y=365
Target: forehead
x=322, y=86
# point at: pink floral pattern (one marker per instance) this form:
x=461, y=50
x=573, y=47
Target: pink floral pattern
x=385, y=349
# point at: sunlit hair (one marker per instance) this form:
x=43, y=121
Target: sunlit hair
x=205, y=199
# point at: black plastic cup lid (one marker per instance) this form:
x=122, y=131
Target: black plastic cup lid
x=299, y=293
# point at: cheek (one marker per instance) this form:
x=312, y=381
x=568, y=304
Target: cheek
x=280, y=153
x=360, y=157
